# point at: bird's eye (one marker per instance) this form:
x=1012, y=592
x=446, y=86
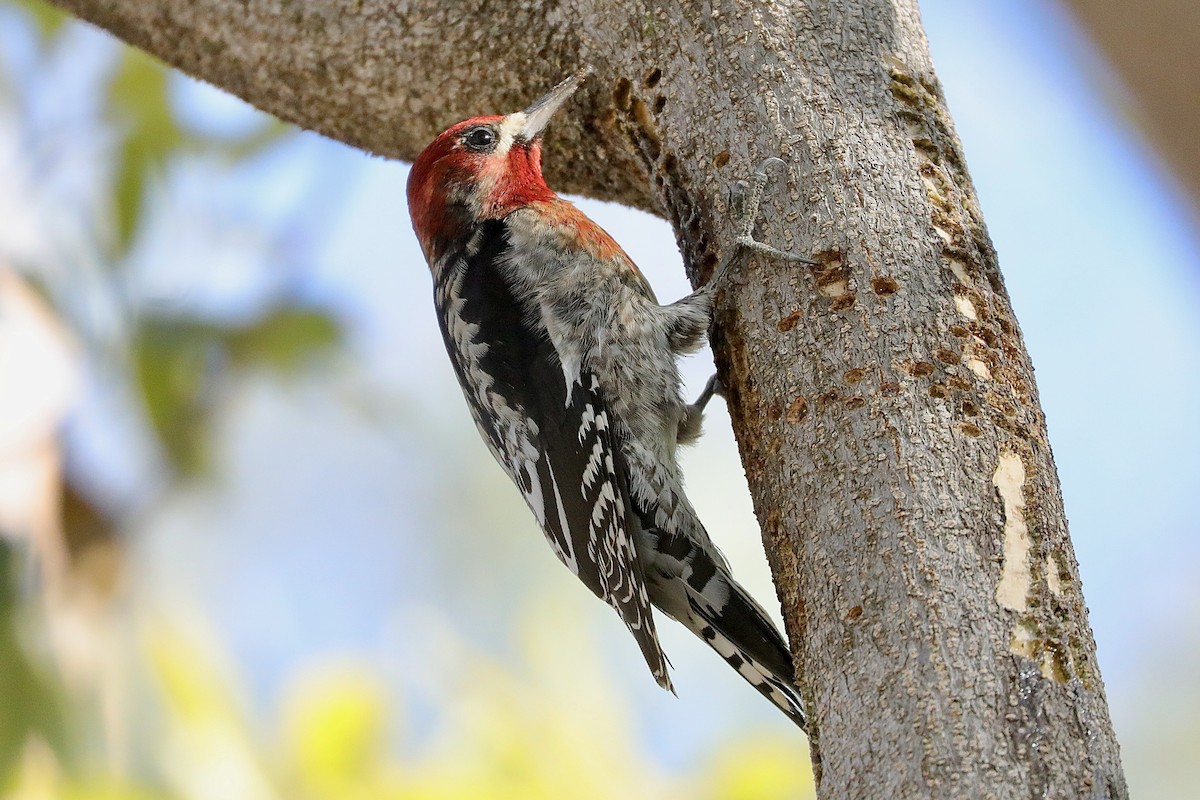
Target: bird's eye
x=481, y=139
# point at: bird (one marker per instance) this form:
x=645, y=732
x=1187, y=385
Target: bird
x=569, y=366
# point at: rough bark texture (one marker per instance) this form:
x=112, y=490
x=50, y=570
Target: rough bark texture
x=884, y=402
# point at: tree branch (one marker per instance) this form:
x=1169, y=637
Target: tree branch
x=884, y=402
x=386, y=76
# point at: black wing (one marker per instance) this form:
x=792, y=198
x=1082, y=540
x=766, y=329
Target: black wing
x=556, y=442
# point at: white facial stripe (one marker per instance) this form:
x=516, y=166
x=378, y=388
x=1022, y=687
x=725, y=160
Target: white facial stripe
x=510, y=126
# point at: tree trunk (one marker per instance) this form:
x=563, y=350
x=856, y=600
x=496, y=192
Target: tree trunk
x=884, y=402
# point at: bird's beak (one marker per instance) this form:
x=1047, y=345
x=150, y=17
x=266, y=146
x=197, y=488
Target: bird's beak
x=538, y=115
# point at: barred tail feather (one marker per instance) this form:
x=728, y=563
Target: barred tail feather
x=742, y=634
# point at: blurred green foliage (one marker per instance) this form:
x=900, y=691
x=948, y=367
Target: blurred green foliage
x=47, y=18
x=284, y=339
x=140, y=97
x=507, y=741
x=180, y=362
x=28, y=704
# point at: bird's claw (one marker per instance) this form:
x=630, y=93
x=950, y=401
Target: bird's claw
x=747, y=201
x=750, y=215
x=713, y=387
x=689, y=426
x=761, y=172
x=750, y=243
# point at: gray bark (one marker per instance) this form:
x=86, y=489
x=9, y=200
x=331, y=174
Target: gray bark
x=884, y=402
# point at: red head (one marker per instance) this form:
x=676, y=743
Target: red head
x=483, y=168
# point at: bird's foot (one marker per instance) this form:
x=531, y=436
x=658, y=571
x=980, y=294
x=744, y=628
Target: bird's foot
x=713, y=387
x=693, y=418
x=750, y=205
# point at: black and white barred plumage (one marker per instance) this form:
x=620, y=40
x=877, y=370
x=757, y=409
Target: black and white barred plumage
x=555, y=440
x=568, y=364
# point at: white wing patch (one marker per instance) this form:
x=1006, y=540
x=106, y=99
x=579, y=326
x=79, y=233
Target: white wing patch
x=570, y=357
x=565, y=550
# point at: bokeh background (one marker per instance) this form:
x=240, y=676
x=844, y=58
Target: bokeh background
x=252, y=546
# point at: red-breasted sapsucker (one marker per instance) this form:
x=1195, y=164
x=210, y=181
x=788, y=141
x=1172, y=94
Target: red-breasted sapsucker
x=568, y=364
